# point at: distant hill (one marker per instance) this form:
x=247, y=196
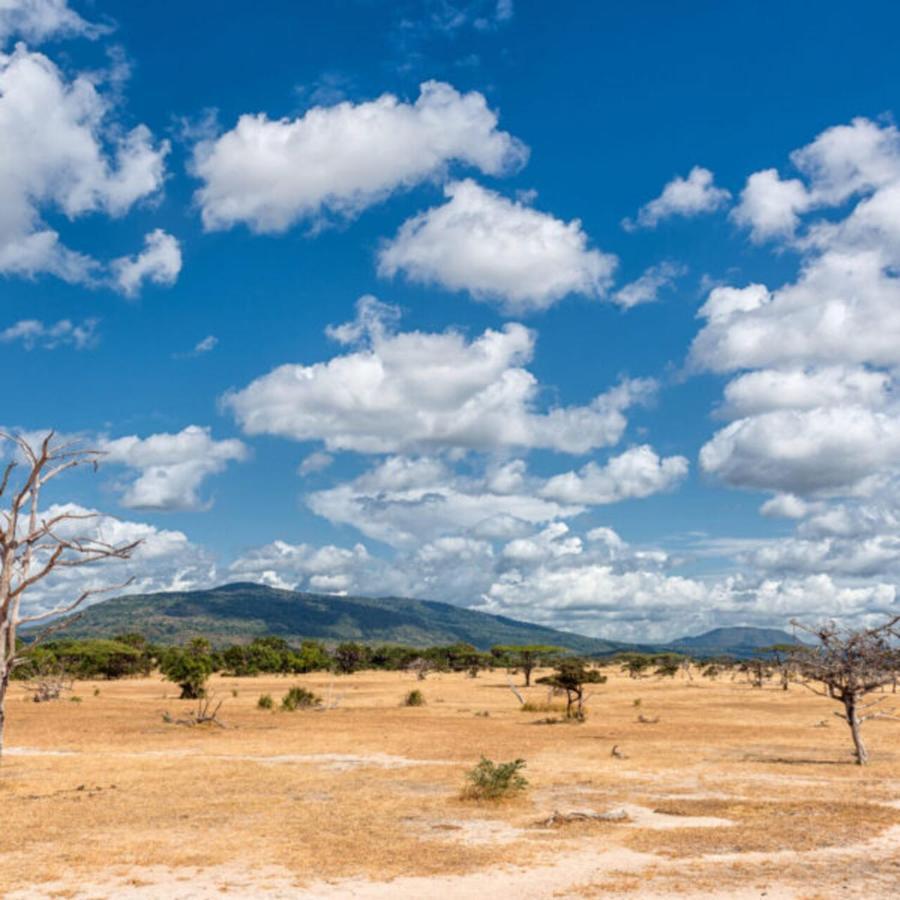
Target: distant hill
x=235, y=613
x=738, y=641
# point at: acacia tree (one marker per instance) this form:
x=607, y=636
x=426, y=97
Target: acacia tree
x=571, y=676
x=33, y=545
x=850, y=665
x=526, y=657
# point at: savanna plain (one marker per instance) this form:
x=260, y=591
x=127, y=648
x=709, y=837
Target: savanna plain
x=716, y=788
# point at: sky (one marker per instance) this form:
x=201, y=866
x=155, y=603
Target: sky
x=586, y=314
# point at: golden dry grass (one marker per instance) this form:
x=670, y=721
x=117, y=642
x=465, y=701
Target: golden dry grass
x=371, y=789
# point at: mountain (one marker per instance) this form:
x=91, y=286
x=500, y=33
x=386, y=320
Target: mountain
x=739, y=641
x=236, y=613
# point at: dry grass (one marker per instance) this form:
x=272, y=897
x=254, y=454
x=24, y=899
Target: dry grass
x=370, y=789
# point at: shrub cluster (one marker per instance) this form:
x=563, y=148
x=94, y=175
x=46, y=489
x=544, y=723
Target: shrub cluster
x=495, y=781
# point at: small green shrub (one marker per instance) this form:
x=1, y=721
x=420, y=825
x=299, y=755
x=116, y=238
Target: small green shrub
x=75, y=699
x=299, y=698
x=265, y=702
x=414, y=698
x=495, y=781
x=96, y=692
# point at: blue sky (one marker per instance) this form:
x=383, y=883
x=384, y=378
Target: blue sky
x=630, y=366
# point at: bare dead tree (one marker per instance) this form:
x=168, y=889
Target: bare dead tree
x=49, y=684
x=33, y=545
x=849, y=665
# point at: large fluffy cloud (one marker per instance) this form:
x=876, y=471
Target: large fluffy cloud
x=171, y=467
x=814, y=401
x=269, y=174
x=497, y=249
x=411, y=391
x=63, y=153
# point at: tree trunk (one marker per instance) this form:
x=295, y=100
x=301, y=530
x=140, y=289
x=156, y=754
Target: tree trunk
x=526, y=669
x=4, y=684
x=853, y=720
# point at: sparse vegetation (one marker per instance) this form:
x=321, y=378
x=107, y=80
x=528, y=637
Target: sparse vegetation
x=299, y=698
x=495, y=781
x=414, y=698
x=265, y=702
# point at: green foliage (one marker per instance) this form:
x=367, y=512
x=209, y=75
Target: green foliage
x=495, y=781
x=189, y=667
x=87, y=659
x=571, y=676
x=265, y=702
x=414, y=698
x=299, y=698
x=349, y=657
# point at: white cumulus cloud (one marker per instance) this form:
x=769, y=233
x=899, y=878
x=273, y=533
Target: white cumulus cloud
x=269, y=174
x=159, y=262
x=497, y=250
x=414, y=390
x=63, y=153
x=685, y=197
x=171, y=467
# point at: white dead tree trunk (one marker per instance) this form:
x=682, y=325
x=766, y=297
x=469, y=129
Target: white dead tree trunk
x=33, y=545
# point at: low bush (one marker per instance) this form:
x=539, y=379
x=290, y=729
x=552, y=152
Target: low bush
x=265, y=702
x=495, y=781
x=532, y=707
x=299, y=698
x=414, y=698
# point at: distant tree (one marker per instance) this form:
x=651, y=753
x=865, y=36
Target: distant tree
x=350, y=657
x=782, y=659
x=757, y=671
x=311, y=657
x=847, y=666
x=571, y=676
x=189, y=667
x=526, y=657
x=635, y=664
x=667, y=665
x=33, y=543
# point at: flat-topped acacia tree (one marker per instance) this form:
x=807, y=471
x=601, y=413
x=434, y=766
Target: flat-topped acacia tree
x=526, y=657
x=849, y=665
x=33, y=543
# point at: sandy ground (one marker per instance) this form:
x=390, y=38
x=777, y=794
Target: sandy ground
x=735, y=792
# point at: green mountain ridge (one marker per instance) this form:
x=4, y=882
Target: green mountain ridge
x=237, y=613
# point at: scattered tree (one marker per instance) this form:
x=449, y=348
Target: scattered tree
x=571, y=676
x=189, y=667
x=526, y=657
x=850, y=665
